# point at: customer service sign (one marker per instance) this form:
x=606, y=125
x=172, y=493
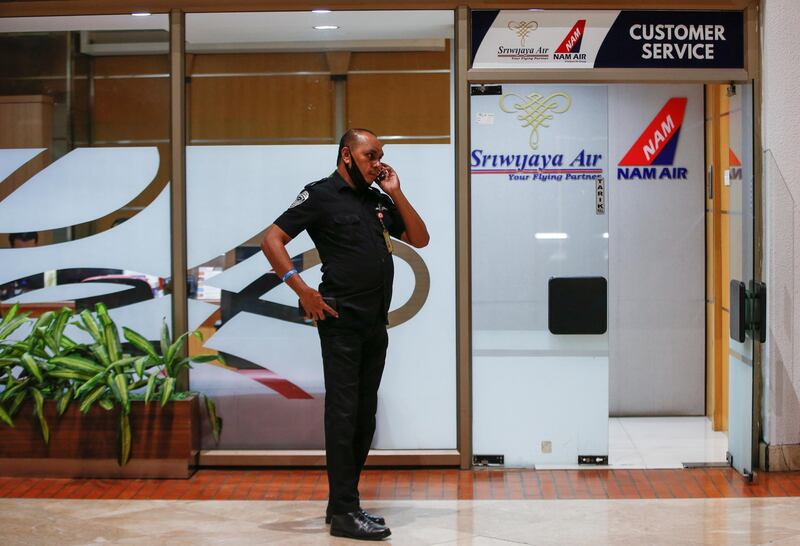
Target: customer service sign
x=607, y=39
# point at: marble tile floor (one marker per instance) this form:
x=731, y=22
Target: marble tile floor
x=663, y=442
x=729, y=522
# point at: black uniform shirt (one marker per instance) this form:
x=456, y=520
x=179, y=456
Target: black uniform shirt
x=357, y=268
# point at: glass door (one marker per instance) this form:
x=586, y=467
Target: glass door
x=747, y=295
x=539, y=273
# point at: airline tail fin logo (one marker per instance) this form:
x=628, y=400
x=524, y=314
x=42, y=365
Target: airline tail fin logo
x=572, y=43
x=733, y=161
x=657, y=144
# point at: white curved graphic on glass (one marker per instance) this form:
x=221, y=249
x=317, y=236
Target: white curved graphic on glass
x=13, y=158
x=242, y=189
x=234, y=192
x=288, y=349
x=68, y=292
x=85, y=184
x=140, y=244
x=236, y=278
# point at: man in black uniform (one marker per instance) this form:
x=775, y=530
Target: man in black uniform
x=351, y=224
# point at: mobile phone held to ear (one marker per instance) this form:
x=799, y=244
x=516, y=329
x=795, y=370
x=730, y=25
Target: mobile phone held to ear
x=380, y=178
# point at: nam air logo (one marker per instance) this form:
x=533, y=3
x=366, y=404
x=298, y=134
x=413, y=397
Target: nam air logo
x=735, y=166
x=653, y=154
x=570, y=48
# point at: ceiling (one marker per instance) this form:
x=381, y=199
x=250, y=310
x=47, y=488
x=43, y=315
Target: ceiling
x=256, y=30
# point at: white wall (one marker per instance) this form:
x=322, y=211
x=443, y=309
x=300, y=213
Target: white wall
x=781, y=141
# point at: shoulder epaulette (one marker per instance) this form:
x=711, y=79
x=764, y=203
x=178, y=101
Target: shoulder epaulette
x=320, y=181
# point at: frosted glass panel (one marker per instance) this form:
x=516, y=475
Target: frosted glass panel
x=86, y=184
x=259, y=330
x=537, y=152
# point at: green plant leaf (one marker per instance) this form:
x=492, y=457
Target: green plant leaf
x=169, y=386
x=44, y=319
x=63, y=401
x=102, y=314
x=91, y=326
x=102, y=355
x=51, y=343
x=198, y=334
x=16, y=404
x=124, y=439
x=112, y=341
x=69, y=374
x=5, y=417
x=9, y=362
x=67, y=343
x=216, y=422
x=172, y=352
x=12, y=326
x=38, y=411
x=204, y=358
x=151, y=383
x=124, y=363
x=106, y=404
x=122, y=392
x=13, y=387
x=86, y=405
x=78, y=363
x=9, y=315
x=90, y=384
x=139, y=341
x=165, y=337
x=29, y=363
x=138, y=366
x=60, y=324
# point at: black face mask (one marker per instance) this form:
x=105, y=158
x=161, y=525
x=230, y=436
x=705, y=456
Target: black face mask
x=355, y=174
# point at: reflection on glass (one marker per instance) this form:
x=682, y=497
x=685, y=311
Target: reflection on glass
x=84, y=211
x=267, y=100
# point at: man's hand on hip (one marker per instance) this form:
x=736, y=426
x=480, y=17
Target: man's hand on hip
x=314, y=306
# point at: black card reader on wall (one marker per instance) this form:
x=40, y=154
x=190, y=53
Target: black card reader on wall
x=577, y=305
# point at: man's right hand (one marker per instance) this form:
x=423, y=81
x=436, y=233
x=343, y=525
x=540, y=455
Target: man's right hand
x=314, y=306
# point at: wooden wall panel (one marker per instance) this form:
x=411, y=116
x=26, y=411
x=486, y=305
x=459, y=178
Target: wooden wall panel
x=407, y=60
x=131, y=109
x=400, y=104
x=33, y=54
x=251, y=108
x=233, y=63
x=128, y=65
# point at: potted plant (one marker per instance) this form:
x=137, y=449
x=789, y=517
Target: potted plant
x=81, y=394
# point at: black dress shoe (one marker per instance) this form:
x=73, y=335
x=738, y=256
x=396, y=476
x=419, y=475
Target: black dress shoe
x=372, y=517
x=356, y=525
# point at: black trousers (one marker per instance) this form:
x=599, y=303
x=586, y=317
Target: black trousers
x=353, y=361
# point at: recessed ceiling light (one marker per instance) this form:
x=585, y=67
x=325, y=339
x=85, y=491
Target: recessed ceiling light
x=325, y=27
x=547, y=236
x=320, y=11
x=141, y=14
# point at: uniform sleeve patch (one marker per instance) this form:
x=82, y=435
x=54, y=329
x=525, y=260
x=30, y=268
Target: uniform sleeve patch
x=302, y=198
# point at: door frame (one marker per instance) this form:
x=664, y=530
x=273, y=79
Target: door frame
x=466, y=76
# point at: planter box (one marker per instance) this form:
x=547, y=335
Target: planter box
x=165, y=442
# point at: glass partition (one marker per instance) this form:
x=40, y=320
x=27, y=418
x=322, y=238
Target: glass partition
x=268, y=96
x=588, y=277
x=84, y=166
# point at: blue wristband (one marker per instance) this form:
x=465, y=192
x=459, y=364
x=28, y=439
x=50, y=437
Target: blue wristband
x=288, y=275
